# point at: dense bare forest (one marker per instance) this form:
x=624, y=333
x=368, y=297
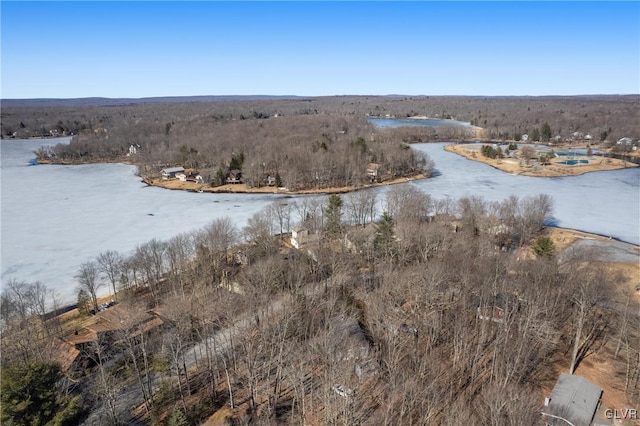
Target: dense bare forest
x=439, y=313
x=307, y=142
x=503, y=116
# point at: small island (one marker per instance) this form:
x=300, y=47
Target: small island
x=539, y=160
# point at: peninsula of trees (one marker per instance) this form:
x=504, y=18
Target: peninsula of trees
x=304, y=143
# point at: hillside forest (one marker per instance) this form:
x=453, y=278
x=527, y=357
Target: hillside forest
x=432, y=311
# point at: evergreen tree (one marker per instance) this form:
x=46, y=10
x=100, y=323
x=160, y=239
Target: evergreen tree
x=545, y=134
x=544, y=247
x=384, y=240
x=489, y=151
x=29, y=396
x=83, y=302
x=177, y=418
x=236, y=162
x=535, y=135
x=333, y=212
x=220, y=178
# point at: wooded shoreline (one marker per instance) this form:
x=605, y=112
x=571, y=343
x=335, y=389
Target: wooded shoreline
x=174, y=184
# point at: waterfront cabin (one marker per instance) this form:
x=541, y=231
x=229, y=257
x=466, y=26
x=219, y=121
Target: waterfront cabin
x=194, y=177
x=372, y=171
x=234, y=176
x=170, y=172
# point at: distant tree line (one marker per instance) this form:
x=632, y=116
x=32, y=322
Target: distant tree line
x=604, y=117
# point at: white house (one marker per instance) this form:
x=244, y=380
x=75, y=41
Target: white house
x=298, y=236
x=133, y=150
x=171, y=172
x=624, y=141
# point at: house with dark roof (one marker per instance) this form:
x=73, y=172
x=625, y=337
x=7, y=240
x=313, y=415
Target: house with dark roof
x=234, y=176
x=574, y=401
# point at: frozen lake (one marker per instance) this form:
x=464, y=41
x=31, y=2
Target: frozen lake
x=54, y=218
x=419, y=122
x=605, y=203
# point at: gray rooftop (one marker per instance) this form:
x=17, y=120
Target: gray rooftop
x=173, y=169
x=574, y=399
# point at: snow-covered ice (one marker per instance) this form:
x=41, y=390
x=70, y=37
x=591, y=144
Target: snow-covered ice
x=54, y=218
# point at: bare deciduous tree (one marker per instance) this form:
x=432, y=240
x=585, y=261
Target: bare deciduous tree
x=361, y=207
x=89, y=280
x=110, y=264
x=259, y=231
x=407, y=204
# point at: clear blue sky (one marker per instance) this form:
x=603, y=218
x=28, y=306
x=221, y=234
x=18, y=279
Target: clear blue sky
x=142, y=49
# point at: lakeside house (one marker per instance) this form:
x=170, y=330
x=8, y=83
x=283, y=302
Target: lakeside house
x=574, y=400
x=372, y=171
x=108, y=328
x=190, y=176
x=299, y=236
x=577, y=137
x=193, y=176
x=624, y=141
x=234, y=176
x=361, y=239
x=66, y=353
x=170, y=173
x=133, y=150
